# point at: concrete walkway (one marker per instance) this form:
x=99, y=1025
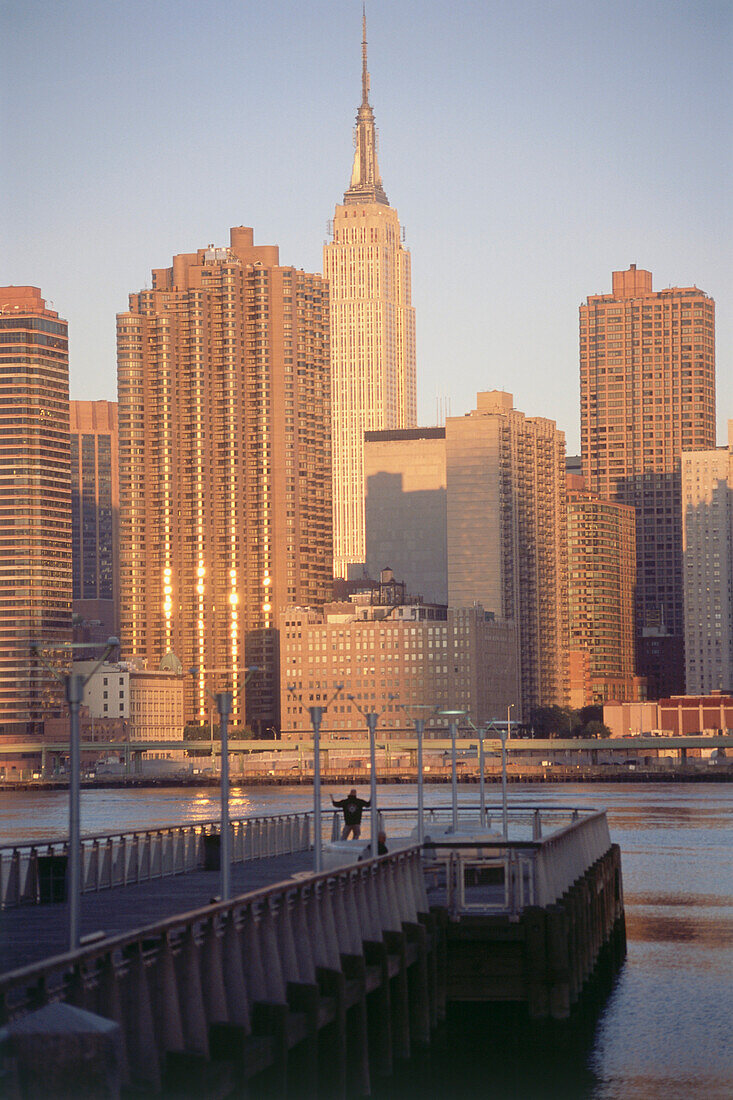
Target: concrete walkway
x=33, y=932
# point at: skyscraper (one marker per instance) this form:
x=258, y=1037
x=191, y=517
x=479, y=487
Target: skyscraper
x=95, y=508
x=225, y=465
x=507, y=541
x=35, y=507
x=707, y=531
x=372, y=330
x=647, y=393
x=601, y=582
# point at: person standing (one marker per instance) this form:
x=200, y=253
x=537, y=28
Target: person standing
x=353, y=808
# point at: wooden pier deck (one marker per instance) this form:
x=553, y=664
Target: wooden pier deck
x=30, y=933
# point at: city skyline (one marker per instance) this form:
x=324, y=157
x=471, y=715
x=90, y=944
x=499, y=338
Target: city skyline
x=528, y=153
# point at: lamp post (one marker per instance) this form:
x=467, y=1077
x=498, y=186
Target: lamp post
x=419, y=724
x=453, y=717
x=371, y=718
x=481, y=778
x=316, y=717
x=74, y=684
x=224, y=701
x=504, y=736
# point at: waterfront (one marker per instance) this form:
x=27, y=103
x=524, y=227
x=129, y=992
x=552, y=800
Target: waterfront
x=663, y=1031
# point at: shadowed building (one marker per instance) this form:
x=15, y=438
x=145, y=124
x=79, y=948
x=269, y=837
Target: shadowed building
x=35, y=507
x=95, y=507
x=647, y=391
x=225, y=466
x=478, y=510
x=405, y=508
x=372, y=332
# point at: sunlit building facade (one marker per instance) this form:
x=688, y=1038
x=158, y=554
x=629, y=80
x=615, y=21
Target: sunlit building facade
x=507, y=538
x=372, y=331
x=403, y=659
x=601, y=580
x=225, y=467
x=647, y=389
x=35, y=508
x=707, y=548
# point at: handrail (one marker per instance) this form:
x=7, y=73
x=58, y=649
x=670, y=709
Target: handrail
x=119, y=859
x=213, y=822
x=232, y=954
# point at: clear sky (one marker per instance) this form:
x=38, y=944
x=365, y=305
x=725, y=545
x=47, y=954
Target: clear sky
x=530, y=149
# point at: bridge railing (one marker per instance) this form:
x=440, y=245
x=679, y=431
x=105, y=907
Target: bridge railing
x=167, y=983
x=137, y=856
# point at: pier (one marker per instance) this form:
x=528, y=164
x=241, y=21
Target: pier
x=317, y=983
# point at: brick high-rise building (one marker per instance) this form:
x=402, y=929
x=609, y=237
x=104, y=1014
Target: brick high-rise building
x=372, y=331
x=647, y=392
x=35, y=507
x=391, y=652
x=601, y=583
x=707, y=548
x=225, y=465
x=95, y=504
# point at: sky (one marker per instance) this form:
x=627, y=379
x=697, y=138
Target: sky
x=529, y=148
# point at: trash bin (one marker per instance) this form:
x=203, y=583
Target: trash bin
x=52, y=878
x=212, y=852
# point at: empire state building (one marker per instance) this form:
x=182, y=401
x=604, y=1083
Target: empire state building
x=372, y=331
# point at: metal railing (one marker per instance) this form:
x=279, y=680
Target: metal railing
x=529, y=871
x=498, y=876
x=167, y=983
x=119, y=859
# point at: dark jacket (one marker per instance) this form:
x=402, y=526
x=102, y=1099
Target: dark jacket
x=353, y=808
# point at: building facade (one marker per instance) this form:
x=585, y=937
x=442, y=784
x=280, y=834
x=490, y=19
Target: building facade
x=225, y=467
x=707, y=548
x=405, y=508
x=647, y=391
x=506, y=535
x=95, y=505
x=601, y=584
x=405, y=662
x=149, y=702
x=35, y=508
x=676, y=716
x=372, y=331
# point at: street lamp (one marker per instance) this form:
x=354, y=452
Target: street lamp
x=224, y=701
x=74, y=683
x=316, y=716
x=505, y=734
x=419, y=730
x=481, y=778
x=371, y=717
x=453, y=717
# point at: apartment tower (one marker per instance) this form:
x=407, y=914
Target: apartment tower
x=647, y=394
x=507, y=545
x=35, y=508
x=601, y=583
x=225, y=467
x=95, y=505
x=707, y=551
x=372, y=331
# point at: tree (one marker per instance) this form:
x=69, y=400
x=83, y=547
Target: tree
x=594, y=728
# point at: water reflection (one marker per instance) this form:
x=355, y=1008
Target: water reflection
x=664, y=1032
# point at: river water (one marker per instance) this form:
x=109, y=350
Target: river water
x=664, y=1031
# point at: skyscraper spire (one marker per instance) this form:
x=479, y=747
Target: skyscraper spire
x=366, y=183
x=364, y=70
